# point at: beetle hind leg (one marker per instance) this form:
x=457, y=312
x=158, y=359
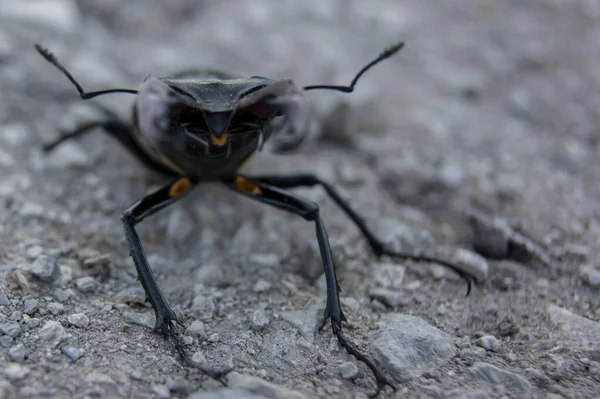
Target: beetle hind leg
x=378, y=246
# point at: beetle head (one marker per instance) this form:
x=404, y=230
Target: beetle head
x=213, y=117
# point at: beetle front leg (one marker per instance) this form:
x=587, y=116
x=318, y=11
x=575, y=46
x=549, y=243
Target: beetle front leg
x=134, y=214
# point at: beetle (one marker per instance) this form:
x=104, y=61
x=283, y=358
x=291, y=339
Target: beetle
x=200, y=127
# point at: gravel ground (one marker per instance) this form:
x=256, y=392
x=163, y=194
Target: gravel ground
x=492, y=107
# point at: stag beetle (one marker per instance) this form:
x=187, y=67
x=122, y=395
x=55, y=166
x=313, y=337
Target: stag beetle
x=203, y=127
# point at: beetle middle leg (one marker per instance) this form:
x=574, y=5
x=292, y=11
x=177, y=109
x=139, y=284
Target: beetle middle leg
x=309, y=180
x=275, y=196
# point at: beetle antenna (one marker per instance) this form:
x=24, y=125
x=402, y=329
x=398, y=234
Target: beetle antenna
x=385, y=54
x=51, y=58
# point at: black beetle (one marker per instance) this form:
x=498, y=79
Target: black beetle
x=204, y=127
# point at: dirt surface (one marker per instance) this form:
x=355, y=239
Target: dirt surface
x=492, y=106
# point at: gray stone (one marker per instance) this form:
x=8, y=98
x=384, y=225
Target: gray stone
x=61, y=295
x=203, y=307
x=162, y=391
x=33, y=322
x=10, y=328
x=55, y=308
x=261, y=286
x=213, y=338
x=18, y=353
x=259, y=320
x=581, y=331
x=5, y=341
x=30, y=306
x=488, y=342
x=306, y=321
x=196, y=329
x=400, y=236
x=590, y=276
x=226, y=393
x=86, y=284
x=259, y=386
x=99, y=378
x=348, y=370
x=390, y=298
x=45, y=268
x=178, y=385
x=210, y=274
x=388, y=275
x=496, y=376
x=143, y=319
x=4, y=299
x=131, y=294
x=472, y=263
x=79, y=320
x=199, y=358
x=406, y=345
x=15, y=316
x=15, y=372
x=73, y=353
x=53, y=333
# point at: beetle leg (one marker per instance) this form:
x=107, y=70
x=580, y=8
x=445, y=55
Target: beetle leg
x=277, y=197
x=133, y=215
x=298, y=180
x=120, y=131
x=166, y=319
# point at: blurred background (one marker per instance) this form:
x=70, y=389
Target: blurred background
x=491, y=104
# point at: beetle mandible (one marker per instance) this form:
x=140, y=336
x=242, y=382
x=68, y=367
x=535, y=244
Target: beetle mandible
x=203, y=127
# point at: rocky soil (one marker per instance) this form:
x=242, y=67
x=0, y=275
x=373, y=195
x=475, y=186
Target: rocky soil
x=492, y=110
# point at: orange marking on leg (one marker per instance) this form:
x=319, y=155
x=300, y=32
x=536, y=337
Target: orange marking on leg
x=247, y=186
x=180, y=187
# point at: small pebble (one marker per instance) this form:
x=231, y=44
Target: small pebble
x=10, y=328
x=30, y=306
x=196, y=329
x=33, y=322
x=213, y=338
x=199, y=358
x=61, y=295
x=488, y=342
x=34, y=251
x=259, y=320
x=162, y=391
x=86, y=284
x=73, y=353
x=348, y=370
x=15, y=316
x=590, y=276
x=4, y=299
x=261, y=286
x=142, y=319
x=18, y=353
x=5, y=341
x=177, y=385
x=16, y=372
x=53, y=333
x=45, y=268
x=79, y=320
x=55, y=308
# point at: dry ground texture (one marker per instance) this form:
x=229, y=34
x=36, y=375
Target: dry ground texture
x=492, y=105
